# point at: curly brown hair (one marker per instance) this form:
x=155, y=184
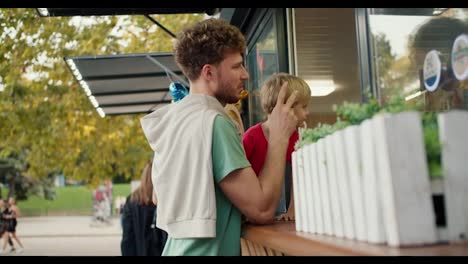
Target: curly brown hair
x=206, y=42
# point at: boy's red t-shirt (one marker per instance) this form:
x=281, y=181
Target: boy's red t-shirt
x=256, y=146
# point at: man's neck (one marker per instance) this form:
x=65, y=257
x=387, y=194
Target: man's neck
x=200, y=87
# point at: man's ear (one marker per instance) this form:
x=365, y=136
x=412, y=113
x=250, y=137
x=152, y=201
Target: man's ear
x=208, y=72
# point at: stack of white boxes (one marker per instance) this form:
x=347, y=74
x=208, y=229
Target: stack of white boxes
x=370, y=182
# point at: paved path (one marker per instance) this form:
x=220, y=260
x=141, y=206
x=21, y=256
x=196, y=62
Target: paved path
x=68, y=236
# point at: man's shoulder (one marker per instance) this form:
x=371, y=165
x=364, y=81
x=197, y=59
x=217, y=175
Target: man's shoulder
x=222, y=121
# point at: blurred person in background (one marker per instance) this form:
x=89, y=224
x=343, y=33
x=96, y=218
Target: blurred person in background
x=4, y=225
x=10, y=215
x=140, y=236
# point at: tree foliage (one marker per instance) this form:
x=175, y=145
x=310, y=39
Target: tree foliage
x=46, y=116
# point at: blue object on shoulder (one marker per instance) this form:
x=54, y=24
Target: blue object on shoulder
x=178, y=91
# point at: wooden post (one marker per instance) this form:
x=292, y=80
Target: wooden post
x=244, y=248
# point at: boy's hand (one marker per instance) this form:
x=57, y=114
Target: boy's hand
x=288, y=216
x=283, y=121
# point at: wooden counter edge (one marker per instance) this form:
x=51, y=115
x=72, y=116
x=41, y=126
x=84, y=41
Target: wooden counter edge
x=283, y=237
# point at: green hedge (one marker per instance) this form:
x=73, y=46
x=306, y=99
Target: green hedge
x=69, y=200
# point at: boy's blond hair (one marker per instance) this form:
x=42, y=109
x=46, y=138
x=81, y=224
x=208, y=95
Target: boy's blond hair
x=271, y=87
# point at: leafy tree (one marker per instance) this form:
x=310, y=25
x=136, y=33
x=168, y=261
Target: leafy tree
x=19, y=186
x=44, y=114
x=383, y=59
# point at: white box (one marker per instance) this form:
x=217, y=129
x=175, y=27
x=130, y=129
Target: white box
x=404, y=181
x=453, y=131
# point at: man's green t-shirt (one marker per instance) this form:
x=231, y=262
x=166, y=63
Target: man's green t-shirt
x=227, y=155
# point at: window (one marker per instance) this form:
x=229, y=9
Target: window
x=400, y=40
x=327, y=59
x=262, y=62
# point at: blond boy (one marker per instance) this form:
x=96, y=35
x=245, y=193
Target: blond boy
x=255, y=138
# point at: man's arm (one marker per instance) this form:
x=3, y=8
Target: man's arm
x=257, y=197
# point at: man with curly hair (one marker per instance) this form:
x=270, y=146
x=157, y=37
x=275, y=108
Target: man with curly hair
x=202, y=179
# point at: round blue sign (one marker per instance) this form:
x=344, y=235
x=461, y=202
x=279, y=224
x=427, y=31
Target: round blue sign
x=432, y=70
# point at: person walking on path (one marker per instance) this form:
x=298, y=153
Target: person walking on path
x=4, y=225
x=10, y=214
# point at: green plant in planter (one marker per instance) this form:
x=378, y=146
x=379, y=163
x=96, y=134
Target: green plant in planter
x=432, y=143
x=347, y=114
x=311, y=135
x=397, y=104
x=355, y=113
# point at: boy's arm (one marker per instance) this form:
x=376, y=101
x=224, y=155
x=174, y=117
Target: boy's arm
x=290, y=214
x=291, y=203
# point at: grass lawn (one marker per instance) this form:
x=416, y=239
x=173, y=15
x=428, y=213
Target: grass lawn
x=69, y=200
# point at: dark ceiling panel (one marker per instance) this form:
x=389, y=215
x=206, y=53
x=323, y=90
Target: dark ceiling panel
x=126, y=84
x=134, y=109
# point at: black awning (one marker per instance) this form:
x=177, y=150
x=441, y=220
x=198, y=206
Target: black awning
x=120, y=11
x=126, y=84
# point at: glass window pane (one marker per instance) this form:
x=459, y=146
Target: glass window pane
x=262, y=62
x=401, y=39
x=326, y=58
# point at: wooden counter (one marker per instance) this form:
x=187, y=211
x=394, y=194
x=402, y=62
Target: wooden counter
x=281, y=239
